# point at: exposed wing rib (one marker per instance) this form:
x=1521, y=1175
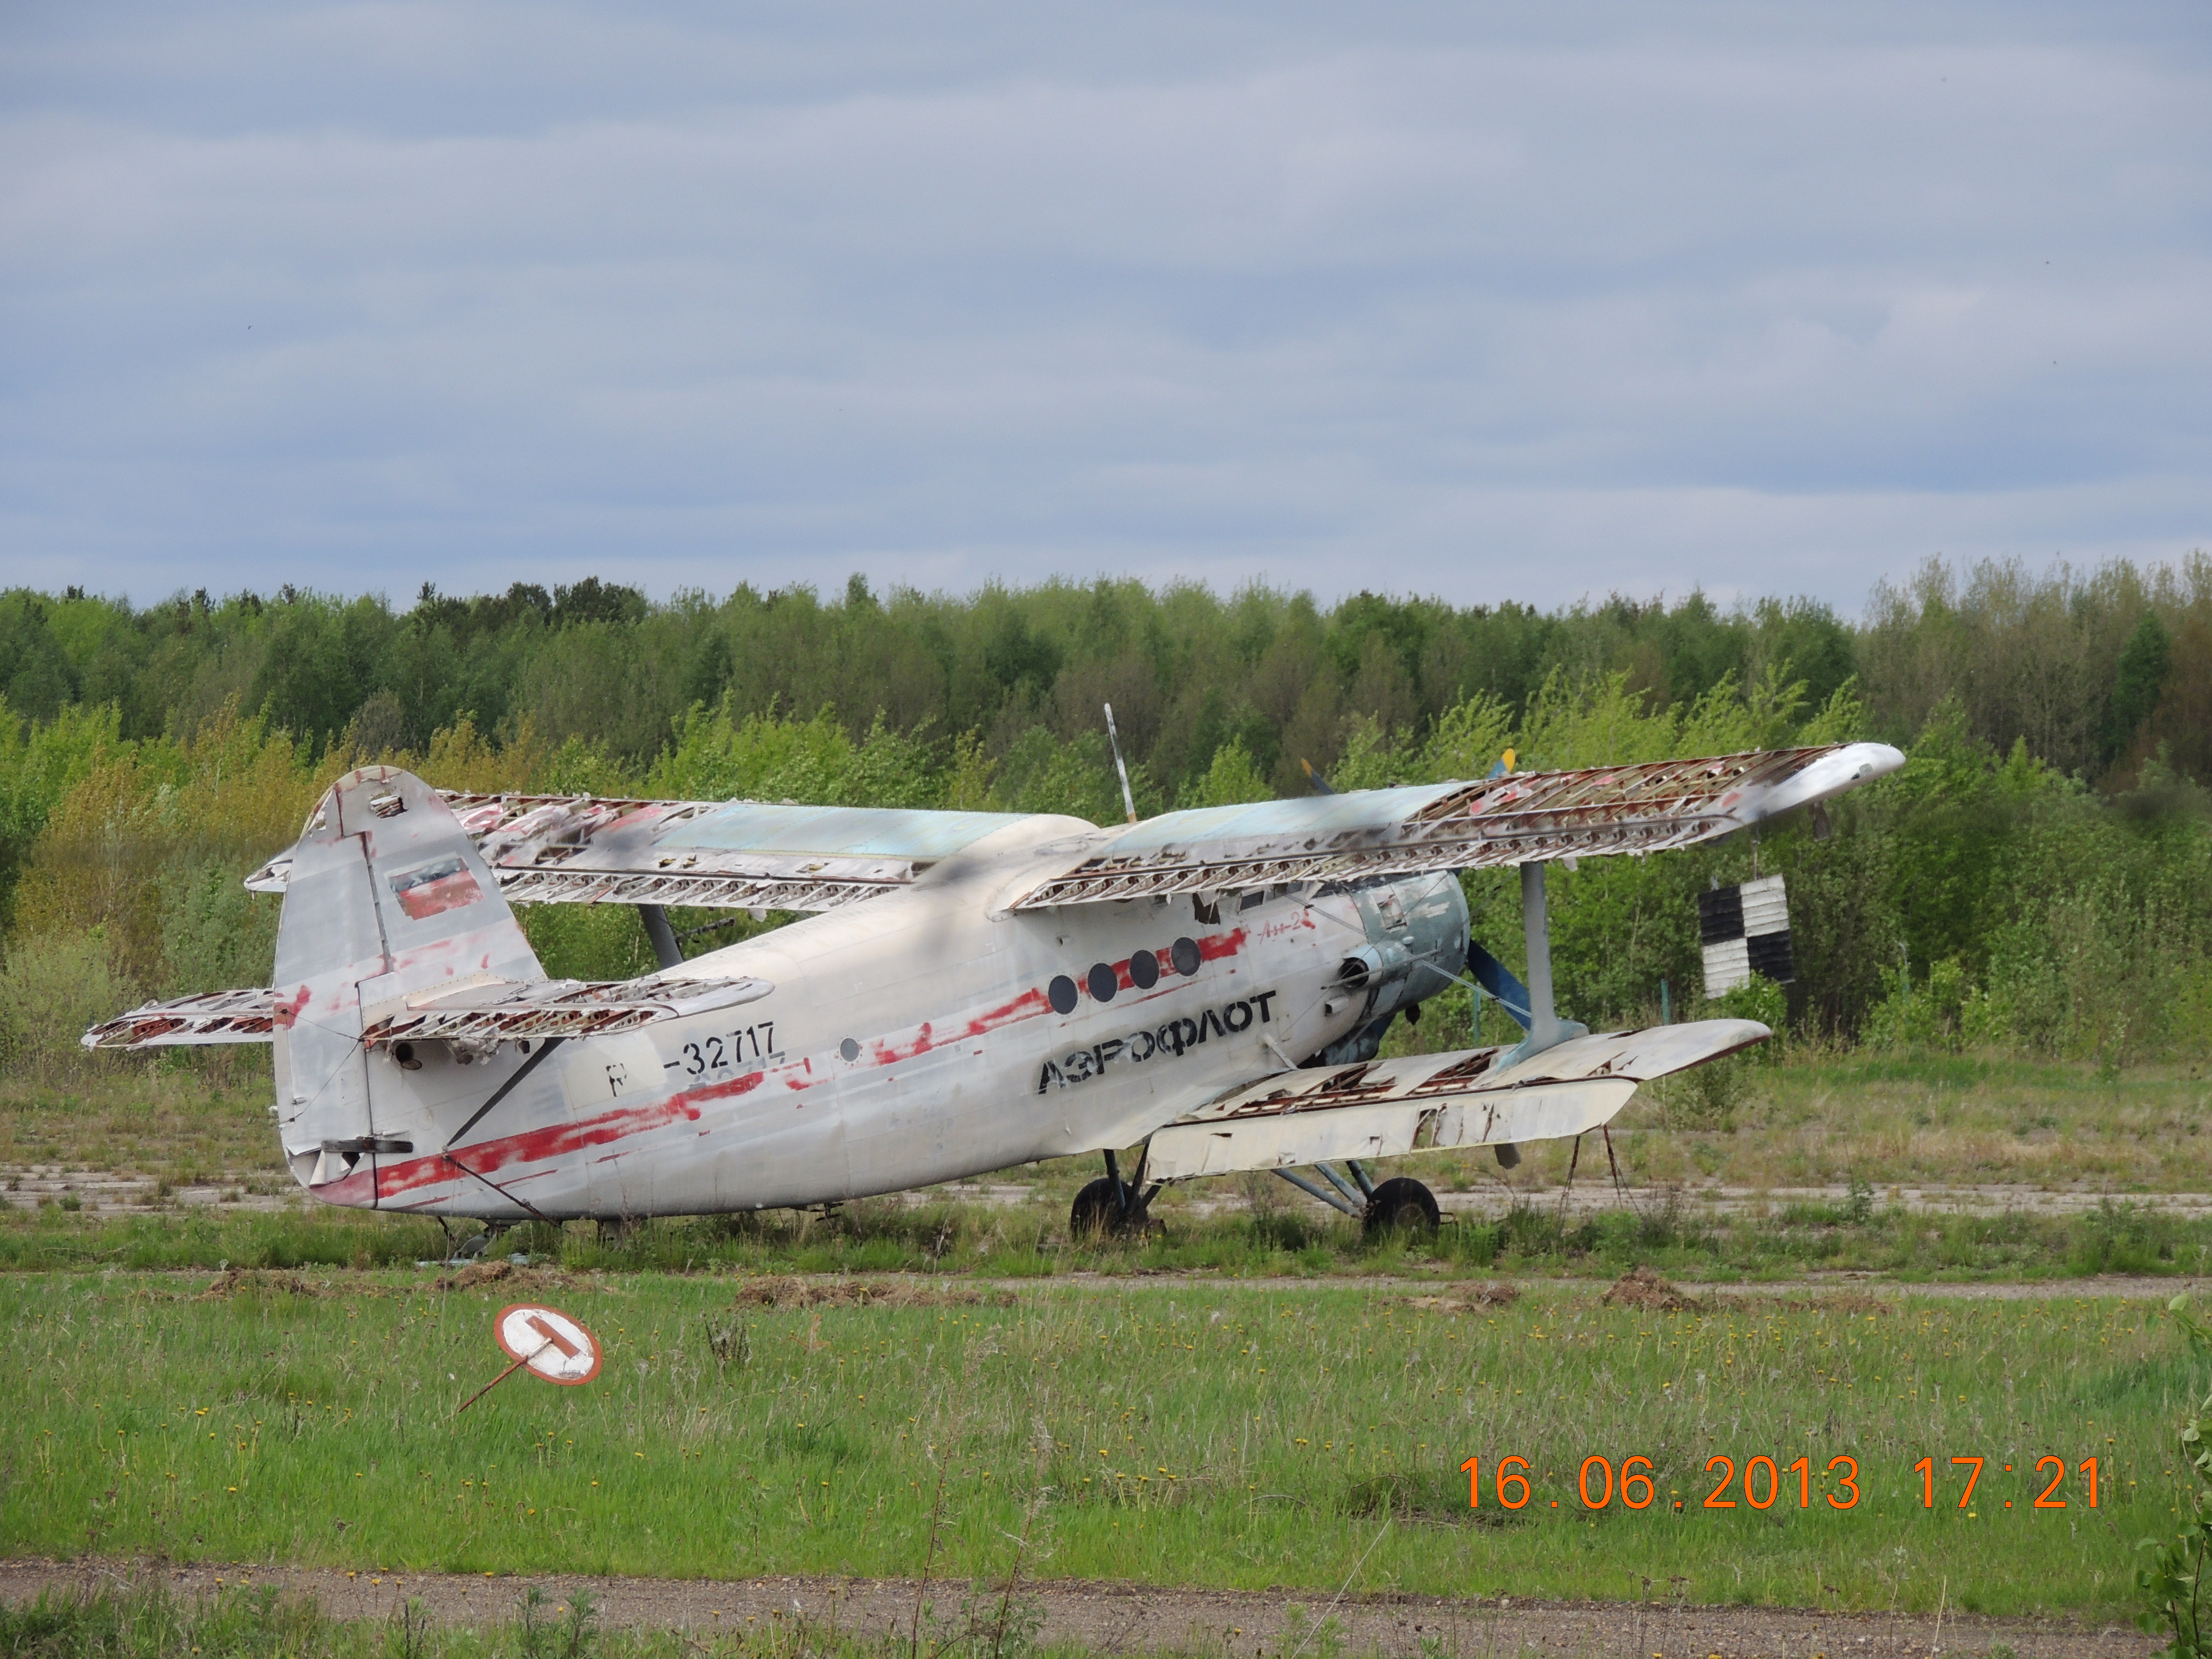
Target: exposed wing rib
x=503, y=1012
x=547, y=849
x=495, y=1011
x=1379, y=1109
x=1520, y=818
x=209, y=1016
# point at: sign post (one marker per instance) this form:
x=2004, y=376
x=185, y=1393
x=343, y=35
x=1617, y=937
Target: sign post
x=546, y=1342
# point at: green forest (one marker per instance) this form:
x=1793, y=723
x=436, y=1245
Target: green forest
x=2038, y=880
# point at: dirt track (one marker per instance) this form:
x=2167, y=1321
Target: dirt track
x=1111, y=1619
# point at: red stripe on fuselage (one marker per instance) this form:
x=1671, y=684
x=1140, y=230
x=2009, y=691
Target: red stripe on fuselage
x=889, y=1054
x=487, y=1158
x=1022, y=1007
x=1214, y=946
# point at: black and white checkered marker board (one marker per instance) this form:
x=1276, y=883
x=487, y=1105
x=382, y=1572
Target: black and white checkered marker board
x=1745, y=930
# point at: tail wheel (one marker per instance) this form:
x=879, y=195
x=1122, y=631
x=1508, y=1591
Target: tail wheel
x=1403, y=1202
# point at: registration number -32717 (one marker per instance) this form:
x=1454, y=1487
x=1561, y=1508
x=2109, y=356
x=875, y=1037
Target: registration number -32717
x=715, y=1052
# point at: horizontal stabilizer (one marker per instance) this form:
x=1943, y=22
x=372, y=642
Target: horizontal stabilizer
x=497, y=1011
x=210, y=1017
x=1380, y=1109
x=502, y=1011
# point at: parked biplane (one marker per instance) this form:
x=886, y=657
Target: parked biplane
x=976, y=990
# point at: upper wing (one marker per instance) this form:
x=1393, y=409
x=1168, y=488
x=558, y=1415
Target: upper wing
x=1519, y=818
x=582, y=849
x=547, y=849
x=1379, y=1109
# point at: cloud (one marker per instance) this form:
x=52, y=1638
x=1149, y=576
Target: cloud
x=364, y=295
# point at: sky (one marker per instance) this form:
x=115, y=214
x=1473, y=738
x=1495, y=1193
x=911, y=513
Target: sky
x=1478, y=301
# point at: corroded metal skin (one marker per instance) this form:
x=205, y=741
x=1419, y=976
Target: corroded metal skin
x=875, y=1048
x=551, y=850
x=1012, y=988
x=1519, y=818
x=1381, y=1108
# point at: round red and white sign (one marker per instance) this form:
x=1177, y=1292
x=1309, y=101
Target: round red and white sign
x=548, y=1343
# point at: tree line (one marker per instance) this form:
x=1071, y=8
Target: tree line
x=2035, y=879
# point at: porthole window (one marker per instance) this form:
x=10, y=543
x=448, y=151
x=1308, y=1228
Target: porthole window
x=849, y=1048
x=1062, y=994
x=1104, y=982
x=1144, y=970
x=1183, y=953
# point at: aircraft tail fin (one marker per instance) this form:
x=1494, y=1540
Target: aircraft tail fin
x=388, y=896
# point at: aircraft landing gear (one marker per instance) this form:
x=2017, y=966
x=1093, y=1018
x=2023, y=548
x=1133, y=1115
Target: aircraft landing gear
x=1112, y=1207
x=1401, y=1202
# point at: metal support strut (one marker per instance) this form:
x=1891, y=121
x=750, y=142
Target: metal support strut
x=536, y=1059
x=1335, y=1201
x=1536, y=928
x=1351, y=1196
x=1545, y=1028
x=1131, y=1198
x=665, y=951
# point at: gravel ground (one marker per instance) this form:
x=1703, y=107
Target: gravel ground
x=1110, y=1618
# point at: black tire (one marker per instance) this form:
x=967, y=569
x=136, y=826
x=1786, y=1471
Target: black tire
x=1097, y=1212
x=1402, y=1202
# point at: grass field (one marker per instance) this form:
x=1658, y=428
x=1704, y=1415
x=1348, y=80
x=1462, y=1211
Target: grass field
x=1180, y=1434
x=244, y=1624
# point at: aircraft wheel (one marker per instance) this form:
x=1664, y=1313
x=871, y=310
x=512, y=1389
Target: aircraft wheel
x=1402, y=1202
x=1096, y=1212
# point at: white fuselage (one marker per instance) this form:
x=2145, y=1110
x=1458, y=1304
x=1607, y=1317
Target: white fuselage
x=905, y=1041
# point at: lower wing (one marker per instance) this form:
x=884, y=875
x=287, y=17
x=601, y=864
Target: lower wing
x=1380, y=1109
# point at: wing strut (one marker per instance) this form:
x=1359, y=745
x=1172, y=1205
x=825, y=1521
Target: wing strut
x=1494, y=976
x=1312, y=1191
x=665, y=949
x=1545, y=1027
x=544, y=1047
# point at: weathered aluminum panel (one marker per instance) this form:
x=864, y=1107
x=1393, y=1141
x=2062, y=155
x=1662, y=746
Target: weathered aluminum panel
x=899, y=834
x=932, y=1035
x=503, y=1012
x=1521, y=818
x=388, y=898
x=210, y=1017
x=1380, y=1109
x=585, y=850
